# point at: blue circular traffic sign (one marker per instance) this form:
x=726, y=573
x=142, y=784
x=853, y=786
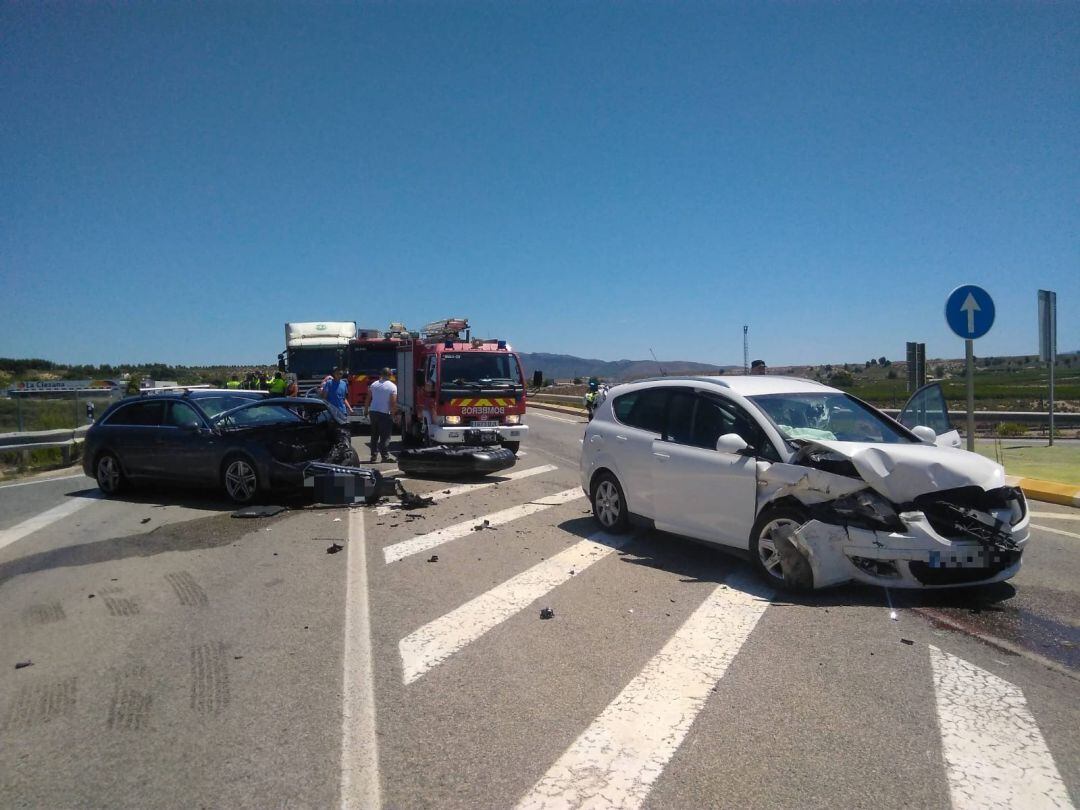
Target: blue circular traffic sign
x=970, y=311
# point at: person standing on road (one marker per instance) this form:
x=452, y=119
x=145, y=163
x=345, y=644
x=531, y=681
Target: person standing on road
x=335, y=391
x=381, y=402
x=278, y=386
x=292, y=389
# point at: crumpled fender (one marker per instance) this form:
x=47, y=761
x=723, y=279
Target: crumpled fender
x=820, y=545
x=809, y=486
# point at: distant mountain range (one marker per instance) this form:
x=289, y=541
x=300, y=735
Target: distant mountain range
x=565, y=366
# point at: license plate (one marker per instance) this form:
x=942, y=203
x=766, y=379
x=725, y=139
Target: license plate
x=485, y=424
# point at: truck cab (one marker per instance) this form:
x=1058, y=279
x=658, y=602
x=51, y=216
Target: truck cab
x=369, y=353
x=460, y=391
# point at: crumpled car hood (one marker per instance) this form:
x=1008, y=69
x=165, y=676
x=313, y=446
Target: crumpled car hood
x=902, y=472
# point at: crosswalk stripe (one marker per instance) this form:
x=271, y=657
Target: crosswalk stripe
x=50, y=516
x=423, y=542
x=438, y=640
x=995, y=756
x=462, y=489
x=616, y=761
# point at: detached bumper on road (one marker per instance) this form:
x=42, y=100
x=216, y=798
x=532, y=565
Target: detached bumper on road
x=458, y=434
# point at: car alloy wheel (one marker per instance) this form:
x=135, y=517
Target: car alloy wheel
x=109, y=477
x=768, y=555
x=609, y=504
x=763, y=551
x=241, y=482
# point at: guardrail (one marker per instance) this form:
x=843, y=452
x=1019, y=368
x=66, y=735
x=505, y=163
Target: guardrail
x=986, y=417
x=65, y=439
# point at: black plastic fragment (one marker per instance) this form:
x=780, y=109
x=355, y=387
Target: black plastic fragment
x=433, y=558
x=334, y=548
x=257, y=511
x=23, y=664
x=547, y=613
x=907, y=641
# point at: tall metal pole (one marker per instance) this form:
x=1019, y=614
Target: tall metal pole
x=1053, y=357
x=18, y=413
x=969, y=346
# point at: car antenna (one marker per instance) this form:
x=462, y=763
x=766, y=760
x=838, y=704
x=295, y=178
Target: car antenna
x=662, y=372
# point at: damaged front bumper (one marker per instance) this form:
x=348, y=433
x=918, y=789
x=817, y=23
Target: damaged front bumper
x=918, y=557
x=441, y=434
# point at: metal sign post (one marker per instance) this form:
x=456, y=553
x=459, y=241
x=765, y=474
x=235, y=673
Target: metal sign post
x=1048, y=342
x=969, y=311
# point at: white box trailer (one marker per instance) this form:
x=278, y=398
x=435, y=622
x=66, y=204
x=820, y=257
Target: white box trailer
x=314, y=348
x=319, y=333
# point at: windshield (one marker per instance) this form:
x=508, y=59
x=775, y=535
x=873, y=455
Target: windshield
x=370, y=360
x=479, y=368
x=274, y=414
x=212, y=406
x=829, y=417
x=313, y=362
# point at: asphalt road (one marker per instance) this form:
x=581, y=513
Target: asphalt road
x=185, y=658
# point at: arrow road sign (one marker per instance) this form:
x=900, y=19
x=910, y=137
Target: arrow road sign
x=970, y=311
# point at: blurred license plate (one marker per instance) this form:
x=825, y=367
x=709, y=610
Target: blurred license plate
x=485, y=424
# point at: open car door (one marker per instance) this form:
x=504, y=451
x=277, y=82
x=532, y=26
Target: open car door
x=927, y=407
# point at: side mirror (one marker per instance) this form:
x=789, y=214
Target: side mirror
x=925, y=434
x=731, y=443
x=191, y=427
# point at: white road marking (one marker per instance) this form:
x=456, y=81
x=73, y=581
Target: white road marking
x=557, y=418
x=69, y=507
x=43, y=481
x=462, y=489
x=1046, y=515
x=359, y=745
x=438, y=640
x=995, y=756
x=1055, y=531
x=423, y=542
x=615, y=762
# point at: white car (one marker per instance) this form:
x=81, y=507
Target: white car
x=820, y=487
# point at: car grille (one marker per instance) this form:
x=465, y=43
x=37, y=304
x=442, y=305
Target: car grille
x=963, y=576
x=967, y=512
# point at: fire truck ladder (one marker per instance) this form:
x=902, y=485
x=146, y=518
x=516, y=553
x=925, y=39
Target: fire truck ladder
x=446, y=329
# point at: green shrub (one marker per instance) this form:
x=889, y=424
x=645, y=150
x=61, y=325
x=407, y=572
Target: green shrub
x=1010, y=430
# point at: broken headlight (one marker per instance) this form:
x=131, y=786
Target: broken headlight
x=866, y=510
x=1017, y=508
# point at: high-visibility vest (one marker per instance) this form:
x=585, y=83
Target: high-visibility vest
x=278, y=386
x=232, y=384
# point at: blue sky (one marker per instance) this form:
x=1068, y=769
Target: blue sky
x=592, y=178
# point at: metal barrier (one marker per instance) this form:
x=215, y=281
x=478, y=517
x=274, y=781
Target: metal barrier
x=66, y=440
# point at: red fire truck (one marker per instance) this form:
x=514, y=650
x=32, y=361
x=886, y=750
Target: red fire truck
x=454, y=390
x=369, y=353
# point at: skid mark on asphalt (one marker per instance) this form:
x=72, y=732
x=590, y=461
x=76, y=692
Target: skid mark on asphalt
x=463, y=489
x=616, y=761
x=995, y=756
x=423, y=542
x=129, y=709
x=39, y=703
x=121, y=606
x=44, y=614
x=187, y=590
x=438, y=640
x=209, y=678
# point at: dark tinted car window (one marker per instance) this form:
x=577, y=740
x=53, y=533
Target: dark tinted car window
x=650, y=410
x=139, y=413
x=623, y=405
x=715, y=417
x=181, y=415
x=680, y=411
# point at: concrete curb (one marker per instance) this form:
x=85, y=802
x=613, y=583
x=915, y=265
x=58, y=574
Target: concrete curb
x=1034, y=488
x=1047, y=491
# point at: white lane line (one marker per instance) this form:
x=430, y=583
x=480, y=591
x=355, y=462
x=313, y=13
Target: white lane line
x=69, y=507
x=556, y=418
x=1046, y=515
x=423, y=542
x=438, y=640
x=1055, y=531
x=462, y=489
x=44, y=481
x=995, y=756
x=359, y=745
x=616, y=761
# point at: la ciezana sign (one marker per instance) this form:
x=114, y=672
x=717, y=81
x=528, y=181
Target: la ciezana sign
x=34, y=386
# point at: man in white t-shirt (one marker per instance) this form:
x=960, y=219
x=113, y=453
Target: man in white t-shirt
x=381, y=403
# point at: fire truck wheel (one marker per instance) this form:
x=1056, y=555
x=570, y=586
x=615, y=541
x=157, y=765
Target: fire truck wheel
x=513, y=447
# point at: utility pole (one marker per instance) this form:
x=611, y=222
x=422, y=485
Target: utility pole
x=745, y=349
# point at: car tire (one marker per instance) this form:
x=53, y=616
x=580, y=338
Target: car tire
x=763, y=553
x=240, y=479
x=513, y=447
x=609, y=503
x=109, y=475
